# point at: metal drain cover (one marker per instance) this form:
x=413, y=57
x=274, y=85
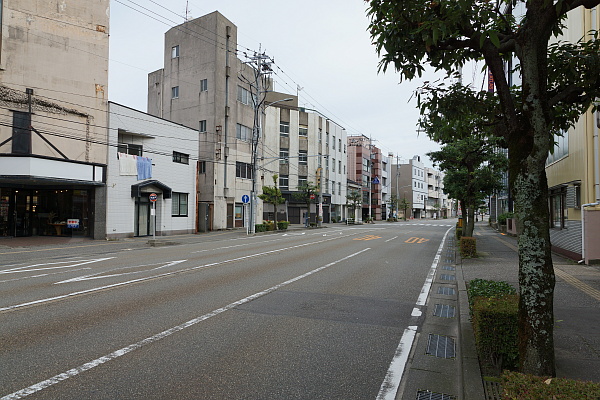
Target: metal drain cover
x=448, y=268
x=444, y=311
x=446, y=290
x=447, y=277
x=427, y=395
x=441, y=346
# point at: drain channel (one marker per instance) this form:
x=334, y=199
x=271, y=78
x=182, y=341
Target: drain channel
x=441, y=346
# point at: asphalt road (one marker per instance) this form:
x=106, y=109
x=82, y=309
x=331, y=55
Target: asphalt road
x=307, y=314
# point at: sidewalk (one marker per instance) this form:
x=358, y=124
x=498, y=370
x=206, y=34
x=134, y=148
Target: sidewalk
x=576, y=300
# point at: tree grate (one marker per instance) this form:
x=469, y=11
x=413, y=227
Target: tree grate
x=444, y=311
x=441, y=346
x=427, y=395
x=447, y=277
x=446, y=290
x=448, y=268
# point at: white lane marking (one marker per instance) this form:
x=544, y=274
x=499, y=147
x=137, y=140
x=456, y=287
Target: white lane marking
x=391, y=383
x=121, y=352
x=236, y=245
x=30, y=268
x=100, y=276
x=294, y=234
x=416, y=312
x=42, y=275
x=96, y=289
x=389, y=240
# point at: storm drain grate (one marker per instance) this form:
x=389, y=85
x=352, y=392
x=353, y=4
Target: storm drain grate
x=447, y=277
x=441, y=346
x=449, y=260
x=448, y=268
x=427, y=395
x=493, y=390
x=446, y=290
x=444, y=311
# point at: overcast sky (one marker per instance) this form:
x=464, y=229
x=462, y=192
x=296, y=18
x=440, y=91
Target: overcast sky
x=321, y=45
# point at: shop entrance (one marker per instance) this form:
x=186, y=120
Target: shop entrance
x=142, y=220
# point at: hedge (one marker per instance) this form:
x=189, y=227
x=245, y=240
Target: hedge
x=496, y=325
x=282, y=225
x=468, y=247
x=517, y=386
x=489, y=289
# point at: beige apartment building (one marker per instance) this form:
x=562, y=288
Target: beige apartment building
x=573, y=171
x=205, y=86
x=53, y=139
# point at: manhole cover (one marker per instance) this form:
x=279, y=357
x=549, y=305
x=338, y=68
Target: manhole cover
x=427, y=395
x=446, y=290
x=441, y=346
x=444, y=311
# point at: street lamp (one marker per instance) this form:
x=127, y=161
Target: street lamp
x=255, y=140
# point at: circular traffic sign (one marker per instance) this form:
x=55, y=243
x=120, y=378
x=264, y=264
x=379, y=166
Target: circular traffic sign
x=153, y=197
x=312, y=196
x=245, y=199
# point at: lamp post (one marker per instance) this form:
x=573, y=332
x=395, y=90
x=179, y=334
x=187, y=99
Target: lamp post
x=255, y=141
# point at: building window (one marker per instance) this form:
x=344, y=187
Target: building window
x=320, y=161
x=303, y=130
x=201, y=167
x=179, y=205
x=302, y=181
x=344, y=149
x=175, y=92
x=284, y=182
x=128, y=148
x=340, y=166
x=239, y=212
x=320, y=136
x=243, y=170
x=244, y=96
x=327, y=139
x=302, y=157
x=284, y=155
x=284, y=128
x=243, y=132
x=339, y=188
x=175, y=51
x=333, y=144
x=181, y=158
x=203, y=125
x=333, y=164
x=340, y=145
x=204, y=85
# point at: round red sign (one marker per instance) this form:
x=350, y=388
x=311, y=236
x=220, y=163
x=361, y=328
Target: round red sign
x=153, y=197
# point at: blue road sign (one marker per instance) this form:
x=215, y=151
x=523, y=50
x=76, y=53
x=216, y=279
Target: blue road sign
x=245, y=199
x=376, y=181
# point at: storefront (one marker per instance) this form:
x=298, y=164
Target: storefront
x=44, y=196
x=45, y=212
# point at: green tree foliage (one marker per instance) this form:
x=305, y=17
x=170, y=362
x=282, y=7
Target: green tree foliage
x=404, y=205
x=473, y=169
x=304, y=194
x=272, y=195
x=354, y=201
x=559, y=82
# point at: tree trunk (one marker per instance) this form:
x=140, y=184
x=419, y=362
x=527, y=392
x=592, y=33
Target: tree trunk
x=470, y=225
x=536, y=272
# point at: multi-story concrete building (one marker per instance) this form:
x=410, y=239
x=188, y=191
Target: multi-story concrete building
x=303, y=146
x=573, y=169
x=203, y=85
x=437, y=200
x=410, y=184
x=149, y=155
x=386, y=186
x=53, y=146
x=365, y=166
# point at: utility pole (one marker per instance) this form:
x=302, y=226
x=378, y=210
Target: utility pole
x=262, y=68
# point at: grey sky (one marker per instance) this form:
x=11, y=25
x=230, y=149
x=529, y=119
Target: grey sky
x=322, y=46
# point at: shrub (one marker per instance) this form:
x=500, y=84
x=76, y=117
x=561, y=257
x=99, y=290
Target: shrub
x=496, y=325
x=503, y=217
x=519, y=386
x=282, y=225
x=269, y=225
x=458, y=233
x=468, y=247
x=488, y=289
x=260, y=228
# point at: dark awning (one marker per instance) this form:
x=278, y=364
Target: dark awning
x=136, y=190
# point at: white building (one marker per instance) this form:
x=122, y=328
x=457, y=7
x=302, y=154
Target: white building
x=136, y=140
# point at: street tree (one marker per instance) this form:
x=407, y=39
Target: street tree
x=473, y=169
x=272, y=195
x=354, y=201
x=559, y=82
x=304, y=194
x=393, y=205
x=404, y=205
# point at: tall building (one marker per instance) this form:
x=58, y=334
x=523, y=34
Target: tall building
x=365, y=166
x=573, y=169
x=205, y=86
x=303, y=146
x=53, y=143
x=410, y=185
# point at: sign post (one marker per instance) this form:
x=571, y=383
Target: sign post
x=153, y=198
x=246, y=200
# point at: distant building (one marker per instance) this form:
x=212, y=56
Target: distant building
x=365, y=166
x=410, y=184
x=53, y=148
